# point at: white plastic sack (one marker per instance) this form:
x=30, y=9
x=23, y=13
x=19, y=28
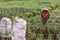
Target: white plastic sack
x=19, y=29
x=6, y=23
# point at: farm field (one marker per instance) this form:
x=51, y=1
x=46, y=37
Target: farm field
x=30, y=10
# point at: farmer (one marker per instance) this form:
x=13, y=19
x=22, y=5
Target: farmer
x=45, y=15
x=19, y=29
x=6, y=26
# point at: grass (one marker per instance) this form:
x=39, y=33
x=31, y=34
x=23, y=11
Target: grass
x=24, y=4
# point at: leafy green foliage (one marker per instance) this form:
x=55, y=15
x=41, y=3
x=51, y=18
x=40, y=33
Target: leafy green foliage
x=30, y=11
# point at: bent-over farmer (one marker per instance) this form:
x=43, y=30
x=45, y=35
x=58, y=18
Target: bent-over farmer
x=19, y=29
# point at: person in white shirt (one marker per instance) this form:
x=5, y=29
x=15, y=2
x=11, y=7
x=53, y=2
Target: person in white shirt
x=19, y=29
x=6, y=23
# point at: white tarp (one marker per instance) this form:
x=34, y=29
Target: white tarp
x=6, y=24
x=19, y=29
